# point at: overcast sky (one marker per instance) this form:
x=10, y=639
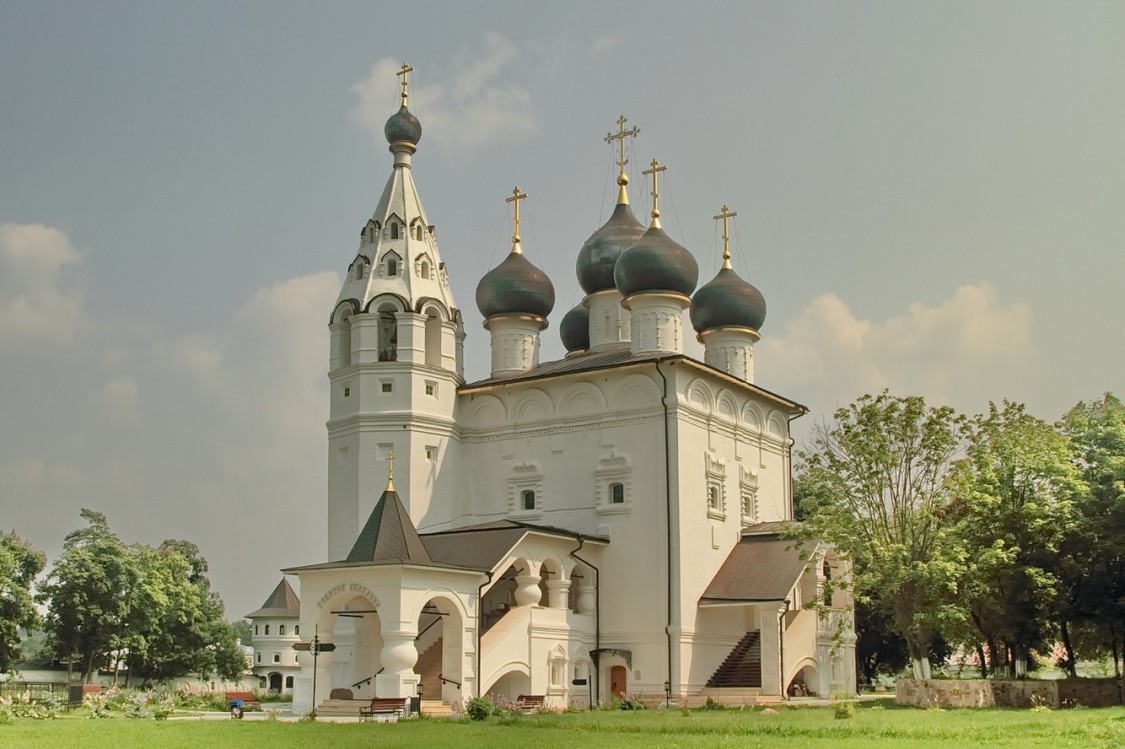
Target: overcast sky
x=931, y=197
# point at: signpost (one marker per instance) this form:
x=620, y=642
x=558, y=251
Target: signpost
x=316, y=647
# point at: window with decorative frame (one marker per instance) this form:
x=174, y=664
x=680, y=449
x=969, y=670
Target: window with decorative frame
x=613, y=484
x=525, y=491
x=716, y=473
x=748, y=495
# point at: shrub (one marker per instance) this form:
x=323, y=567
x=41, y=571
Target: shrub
x=479, y=708
x=162, y=706
x=710, y=704
x=844, y=709
x=136, y=708
x=97, y=706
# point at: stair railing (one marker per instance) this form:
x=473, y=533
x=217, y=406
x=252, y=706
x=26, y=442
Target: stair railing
x=444, y=680
x=364, y=682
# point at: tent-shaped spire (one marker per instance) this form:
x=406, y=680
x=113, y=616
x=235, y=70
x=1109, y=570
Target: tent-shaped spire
x=389, y=537
x=283, y=602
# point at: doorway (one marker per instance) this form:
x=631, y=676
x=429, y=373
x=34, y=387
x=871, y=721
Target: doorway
x=618, y=681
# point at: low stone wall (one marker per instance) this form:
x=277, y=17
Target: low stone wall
x=1025, y=693
x=945, y=693
x=1089, y=692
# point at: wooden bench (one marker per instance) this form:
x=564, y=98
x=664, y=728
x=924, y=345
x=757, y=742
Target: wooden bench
x=530, y=703
x=248, y=700
x=393, y=707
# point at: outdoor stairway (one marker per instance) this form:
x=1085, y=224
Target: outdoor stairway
x=436, y=709
x=428, y=669
x=742, y=667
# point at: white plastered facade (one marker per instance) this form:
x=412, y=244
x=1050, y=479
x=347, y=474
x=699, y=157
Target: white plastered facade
x=623, y=478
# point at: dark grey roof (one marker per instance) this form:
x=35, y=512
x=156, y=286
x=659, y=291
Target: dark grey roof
x=600, y=252
x=283, y=602
x=761, y=567
x=515, y=287
x=728, y=301
x=575, y=328
x=403, y=126
x=483, y=546
x=389, y=537
x=656, y=263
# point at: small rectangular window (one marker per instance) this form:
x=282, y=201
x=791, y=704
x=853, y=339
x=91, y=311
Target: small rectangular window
x=430, y=388
x=388, y=387
x=617, y=494
x=431, y=453
x=347, y=392
x=528, y=500
x=277, y=657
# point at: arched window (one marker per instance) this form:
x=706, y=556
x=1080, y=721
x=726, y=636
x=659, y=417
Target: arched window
x=296, y=629
x=288, y=682
x=394, y=230
x=713, y=497
x=433, y=340
x=392, y=266
x=418, y=232
x=267, y=629
x=424, y=271
x=255, y=629
x=527, y=499
x=617, y=494
x=281, y=629
x=359, y=269
x=388, y=335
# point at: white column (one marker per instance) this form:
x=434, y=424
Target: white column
x=527, y=590
x=609, y=321
x=515, y=343
x=397, y=658
x=657, y=322
x=411, y=338
x=558, y=591
x=730, y=350
x=365, y=337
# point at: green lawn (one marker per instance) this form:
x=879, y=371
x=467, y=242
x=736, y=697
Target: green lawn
x=655, y=729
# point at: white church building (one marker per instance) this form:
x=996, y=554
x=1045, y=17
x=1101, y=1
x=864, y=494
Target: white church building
x=604, y=524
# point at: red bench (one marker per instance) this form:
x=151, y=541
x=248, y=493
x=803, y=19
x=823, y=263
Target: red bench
x=247, y=699
x=390, y=706
x=530, y=703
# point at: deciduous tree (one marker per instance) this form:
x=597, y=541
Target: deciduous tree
x=875, y=485
x=19, y=566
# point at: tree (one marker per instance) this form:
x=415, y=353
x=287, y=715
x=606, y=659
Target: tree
x=1015, y=510
x=19, y=566
x=87, y=593
x=176, y=620
x=1096, y=581
x=875, y=486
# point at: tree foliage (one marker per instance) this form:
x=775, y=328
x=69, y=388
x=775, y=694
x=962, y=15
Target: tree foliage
x=19, y=566
x=875, y=485
x=149, y=609
x=1095, y=575
x=1015, y=509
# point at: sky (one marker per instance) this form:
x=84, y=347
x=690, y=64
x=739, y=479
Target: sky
x=931, y=197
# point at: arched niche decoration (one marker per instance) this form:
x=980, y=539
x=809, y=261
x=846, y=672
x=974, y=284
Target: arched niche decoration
x=582, y=399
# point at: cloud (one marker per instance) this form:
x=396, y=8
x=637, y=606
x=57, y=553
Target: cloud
x=34, y=303
x=465, y=110
x=948, y=353
x=119, y=400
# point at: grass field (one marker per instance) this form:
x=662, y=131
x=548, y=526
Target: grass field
x=656, y=729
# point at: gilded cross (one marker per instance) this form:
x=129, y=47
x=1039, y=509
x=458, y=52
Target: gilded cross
x=517, y=196
x=620, y=136
x=403, y=73
x=655, y=171
x=391, y=470
x=726, y=214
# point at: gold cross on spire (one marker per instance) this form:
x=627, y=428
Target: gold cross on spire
x=655, y=172
x=406, y=70
x=725, y=215
x=391, y=471
x=622, y=160
x=517, y=196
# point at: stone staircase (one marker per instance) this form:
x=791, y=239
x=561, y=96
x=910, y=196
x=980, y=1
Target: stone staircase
x=743, y=666
x=436, y=709
x=341, y=708
x=428, y=669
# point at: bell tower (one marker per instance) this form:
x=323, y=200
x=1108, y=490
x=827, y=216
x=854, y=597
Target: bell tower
x=396, y=357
